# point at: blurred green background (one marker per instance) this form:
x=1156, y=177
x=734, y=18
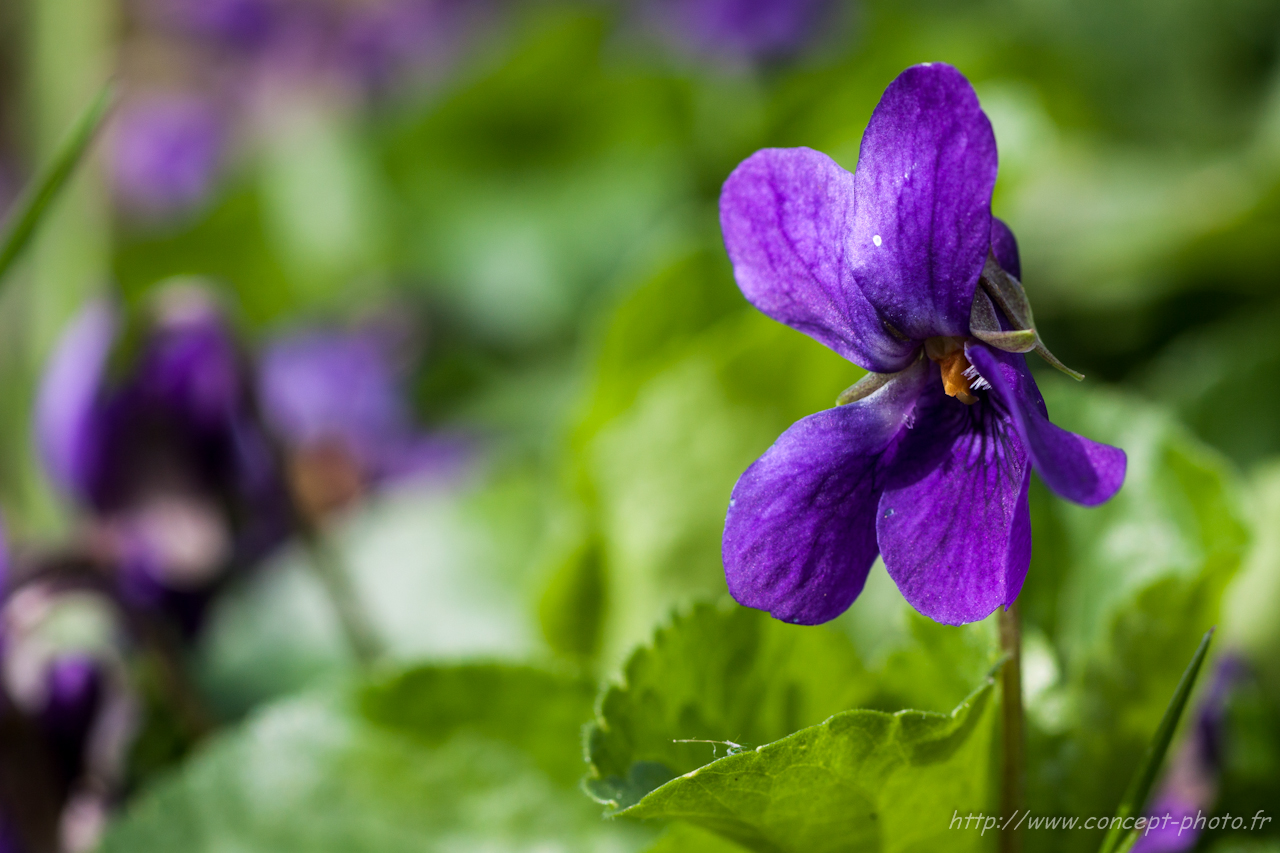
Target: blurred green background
x=538, y=202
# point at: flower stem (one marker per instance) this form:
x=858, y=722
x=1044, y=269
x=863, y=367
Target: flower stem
x=352, y=618
x=1012, y=764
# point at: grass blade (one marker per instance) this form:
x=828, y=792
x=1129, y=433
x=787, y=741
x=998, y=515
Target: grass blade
x=31, y=206
x=1119, y=838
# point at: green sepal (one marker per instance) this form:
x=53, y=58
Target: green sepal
x=871, y=383
x=1007, y=292
x=985, y=326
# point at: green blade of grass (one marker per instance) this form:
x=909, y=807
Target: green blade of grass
x=36, y=198
x=1119, y=838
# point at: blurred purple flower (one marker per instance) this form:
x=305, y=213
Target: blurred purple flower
x=931, y=464
x=374, y=44
x=166, y=153
x=1189, y=789
x=167, y=455
x=396, y=41
x=334, y=399
x=243, y=24
x=73, y=698
x=741, y=30
x=75, y=707
x=10, y=841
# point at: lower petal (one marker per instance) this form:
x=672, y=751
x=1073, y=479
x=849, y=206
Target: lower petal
x=800, y=535
x=1078, y=469
x=953, y=522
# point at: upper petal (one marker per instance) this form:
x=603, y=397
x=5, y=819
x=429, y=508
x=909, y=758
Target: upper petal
x=799, y=537
x=922, y=225
x=1005, y=247
x=328, y=385
x=66, y=422
x=953, y=522
x=1080, y=470
x=189, y=365
x=786, y=214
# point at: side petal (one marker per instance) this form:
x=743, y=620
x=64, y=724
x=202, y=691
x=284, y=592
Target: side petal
x=66, y=404
x=1078, y=469
x=786, y=215
x=1005, y=247
x=922, y=227
x=953, y=522
x=799, y=536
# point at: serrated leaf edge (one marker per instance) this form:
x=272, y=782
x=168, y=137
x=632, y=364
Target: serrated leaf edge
x=966, y=705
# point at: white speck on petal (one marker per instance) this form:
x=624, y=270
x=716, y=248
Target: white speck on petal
x=876, y=239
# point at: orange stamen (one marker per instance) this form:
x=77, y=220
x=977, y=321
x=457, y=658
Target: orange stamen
x=948, y=353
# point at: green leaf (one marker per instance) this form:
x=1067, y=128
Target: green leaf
x=719, y=673
x=572, y=606
x=1254, y=597
x=527, y=708
x=936, y=666
x=732, y=682
x=463, y=758
x=1178, y=516
x=653, y=327
x=544, y=178
x=1140, y=788
x=861, y=780
x=441, y=573
x=30, y=208
x=687, y=393
x=686, y=838
x=662, y=474
x=1223, y=384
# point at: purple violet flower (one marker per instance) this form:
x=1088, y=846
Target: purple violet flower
x=930, y=463
x=166, y=153
x=740, y=30
x=167, y=456
x=335, y=401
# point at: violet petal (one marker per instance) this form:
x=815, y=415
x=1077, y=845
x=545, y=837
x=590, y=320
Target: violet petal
x=800, y=534
x=756, y=30
x=953, y=521
x=922, y=225
x=1078, y=469
x=1005, y=247
x=786, y=214
x=320, y=386
x=66, y=423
